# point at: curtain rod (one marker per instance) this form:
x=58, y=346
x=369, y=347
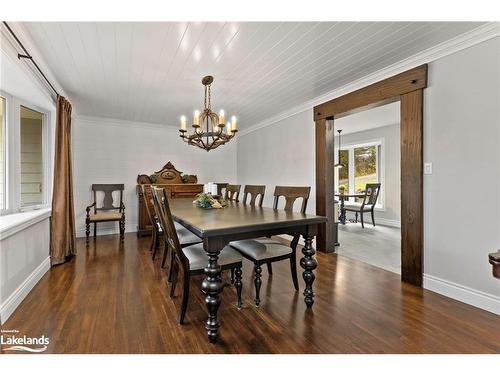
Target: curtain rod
x=29, y=57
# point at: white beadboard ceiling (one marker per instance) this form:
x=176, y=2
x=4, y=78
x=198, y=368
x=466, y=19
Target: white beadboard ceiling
x=151, y=72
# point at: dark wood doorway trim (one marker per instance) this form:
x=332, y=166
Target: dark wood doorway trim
x=406, y=87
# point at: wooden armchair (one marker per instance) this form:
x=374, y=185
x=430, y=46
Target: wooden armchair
x=367, y=205
x=107, y=212
x=267, y=251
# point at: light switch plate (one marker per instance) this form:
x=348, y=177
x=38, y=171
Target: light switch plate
x=427, y=168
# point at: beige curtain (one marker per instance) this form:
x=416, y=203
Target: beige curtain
x=62, y=238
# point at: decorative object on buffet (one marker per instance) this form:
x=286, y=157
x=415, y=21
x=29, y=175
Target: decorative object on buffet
x=209, y=129
x=207, y=201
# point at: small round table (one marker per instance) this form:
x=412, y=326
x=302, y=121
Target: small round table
x=342, y=198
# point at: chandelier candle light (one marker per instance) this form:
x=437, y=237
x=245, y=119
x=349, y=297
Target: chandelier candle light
x=209, y=129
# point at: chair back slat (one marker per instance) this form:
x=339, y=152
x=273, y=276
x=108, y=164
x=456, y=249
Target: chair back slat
x=164, y=215
x=255, y=191
x=108, y=189
x=291, y=194
x=232, y=192
x=371, y=194
x=147, y=193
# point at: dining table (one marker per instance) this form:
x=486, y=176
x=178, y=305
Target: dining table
x=342, y=198
x=238, y=221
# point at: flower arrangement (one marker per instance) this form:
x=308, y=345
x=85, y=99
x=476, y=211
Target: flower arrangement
x=208, y=201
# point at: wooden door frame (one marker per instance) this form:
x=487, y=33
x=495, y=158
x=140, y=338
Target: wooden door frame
x=407, y=87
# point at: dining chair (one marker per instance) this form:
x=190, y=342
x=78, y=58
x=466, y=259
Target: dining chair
x=366, y=205
x=267, y=251
x=108, y=212
x=184, y=236
x=254, y=192
x=156, y=231
x=192, y=259
x=232, y=192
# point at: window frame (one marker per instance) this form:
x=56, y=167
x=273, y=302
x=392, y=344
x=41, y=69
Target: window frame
x=13, y=161
x=380, y=158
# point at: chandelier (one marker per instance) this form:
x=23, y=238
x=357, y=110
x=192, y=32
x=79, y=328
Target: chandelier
x=209, y=129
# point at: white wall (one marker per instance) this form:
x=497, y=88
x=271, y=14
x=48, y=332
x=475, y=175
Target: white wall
x=23, y=262
x=113, y=151
x=461, y=200
x=391, y=161
x=281, y=154
x=461, y=197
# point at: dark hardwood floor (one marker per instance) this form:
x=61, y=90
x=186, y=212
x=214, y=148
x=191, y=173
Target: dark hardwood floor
x=112, y=299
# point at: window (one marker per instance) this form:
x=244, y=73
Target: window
x=344, y=171
x=3, y=169
x=25, y=165
x=361, y=166
x=31, y=157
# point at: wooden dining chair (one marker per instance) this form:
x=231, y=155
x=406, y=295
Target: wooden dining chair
x=254, y=192
x=366, y=205
x=107, y=212
x=267, y=251
x=191, y=260
x=156, y=232
x=232, y=192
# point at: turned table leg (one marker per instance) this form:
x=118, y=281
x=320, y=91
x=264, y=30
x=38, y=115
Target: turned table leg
x=211, y=287
x=309, y=264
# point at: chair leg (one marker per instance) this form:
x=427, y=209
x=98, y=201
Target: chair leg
x=155, y=250
x=175, y=276
x=356, y=217
x=293, y=269
x=362, y=222
x=165, y=253
x=95, y=230
x=153, y=240
x=239, y=284
x=373, y=218
x=87, y=230
x=185, y=298
x=258, y=283
x=122, y=228
x=171, y=269
x=270, y=268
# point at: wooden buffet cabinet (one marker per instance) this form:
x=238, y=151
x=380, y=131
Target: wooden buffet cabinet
x=176, y=185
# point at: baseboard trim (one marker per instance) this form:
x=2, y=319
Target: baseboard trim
x=388, y=222
x=15, y=299
x=129, y=228
x=462, y=293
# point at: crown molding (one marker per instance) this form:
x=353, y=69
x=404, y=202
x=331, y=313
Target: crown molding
x=451, y=46
x=107, y=121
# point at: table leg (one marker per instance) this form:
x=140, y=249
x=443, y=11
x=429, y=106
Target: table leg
x=211, y=287
x=342, y=211
x=309, y=264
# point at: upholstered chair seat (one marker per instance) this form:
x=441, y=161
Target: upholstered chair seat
x=357, y=206
x=261, y=249
x=186, y=237
x=198, y=259
x=105, y=216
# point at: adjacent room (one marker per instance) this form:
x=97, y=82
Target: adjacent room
x=249, y=187
x=369, y=186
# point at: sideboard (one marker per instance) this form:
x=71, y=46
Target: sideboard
x=175, y=184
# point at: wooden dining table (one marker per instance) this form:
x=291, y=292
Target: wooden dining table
x=237, y=221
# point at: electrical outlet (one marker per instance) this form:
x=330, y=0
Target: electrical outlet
x=427, y=168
